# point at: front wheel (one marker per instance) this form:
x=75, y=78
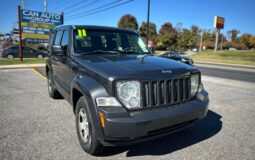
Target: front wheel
x=86, y=128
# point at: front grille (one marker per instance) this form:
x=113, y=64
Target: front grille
x=165, y=92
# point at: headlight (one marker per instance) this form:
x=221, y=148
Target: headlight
x=194, y=84
x=128, y=93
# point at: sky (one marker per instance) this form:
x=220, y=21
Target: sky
x=238, y=14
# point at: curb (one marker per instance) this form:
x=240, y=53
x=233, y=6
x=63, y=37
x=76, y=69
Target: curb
x=20, y=66
x=224, y=64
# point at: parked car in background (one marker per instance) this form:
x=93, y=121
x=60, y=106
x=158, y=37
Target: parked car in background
x=7, y=36
x=1, y=37
x=194, y=50
x=232, y=49
x=15, y=35
x=13, y=52
x=177, y=57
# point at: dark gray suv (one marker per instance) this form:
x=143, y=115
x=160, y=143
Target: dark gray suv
x=120, y=92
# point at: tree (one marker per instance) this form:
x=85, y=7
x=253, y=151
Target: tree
x=246, y=39
x=253, y=41
x=233, y=34
x=195, y=30
x=128, y=21
x=195, y=35
x=152, y=31
x=167, y=36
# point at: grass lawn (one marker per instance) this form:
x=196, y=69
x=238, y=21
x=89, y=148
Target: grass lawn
x=25, y=61
x=229, y=57
x=159, y=52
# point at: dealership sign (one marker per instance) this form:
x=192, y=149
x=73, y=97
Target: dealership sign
x=219, y=22
x=36, y=26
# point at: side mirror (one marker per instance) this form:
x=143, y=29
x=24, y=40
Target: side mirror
x=57, y=50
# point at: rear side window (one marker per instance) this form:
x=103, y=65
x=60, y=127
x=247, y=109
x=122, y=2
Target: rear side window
x=15, y=47
x=58, y=38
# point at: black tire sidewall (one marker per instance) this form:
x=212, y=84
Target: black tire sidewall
x=52, y=86
x=54, y=94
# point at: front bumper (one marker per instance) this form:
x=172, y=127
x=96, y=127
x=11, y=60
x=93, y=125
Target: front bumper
x=122, y=127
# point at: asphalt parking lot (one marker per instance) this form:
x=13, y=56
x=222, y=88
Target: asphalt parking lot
x=33, y=126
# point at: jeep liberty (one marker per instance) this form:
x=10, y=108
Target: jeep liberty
x=120, y=92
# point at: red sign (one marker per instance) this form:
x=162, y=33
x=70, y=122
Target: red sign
x=219, y=22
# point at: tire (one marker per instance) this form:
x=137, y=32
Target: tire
x=39, y=56
x=53, y=92
x=85, y=128
x=10, y=56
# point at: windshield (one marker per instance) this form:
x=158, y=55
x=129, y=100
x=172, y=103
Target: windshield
x=89, y=40
x=178, y=55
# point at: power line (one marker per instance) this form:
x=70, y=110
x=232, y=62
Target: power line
x=102, y=10
x=91, y=10
x=61, y=5
x=84, y=12
x=74, y=5
x=82, y=6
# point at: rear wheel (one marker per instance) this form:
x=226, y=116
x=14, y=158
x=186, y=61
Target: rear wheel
x=10, y=56
x=86, y=129
x=39, y=56
x=53, y=92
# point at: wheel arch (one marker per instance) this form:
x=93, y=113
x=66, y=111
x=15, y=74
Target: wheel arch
x=90, y=89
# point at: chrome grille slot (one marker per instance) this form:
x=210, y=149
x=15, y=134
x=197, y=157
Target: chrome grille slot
x=165, y=92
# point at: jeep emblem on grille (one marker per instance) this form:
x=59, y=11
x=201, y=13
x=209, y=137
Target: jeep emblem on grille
x=166, y=71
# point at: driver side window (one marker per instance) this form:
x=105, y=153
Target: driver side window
x=58, y=38
x=65, y=41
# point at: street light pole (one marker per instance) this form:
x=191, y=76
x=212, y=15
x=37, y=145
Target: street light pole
x=148, y=22
x=217, y=40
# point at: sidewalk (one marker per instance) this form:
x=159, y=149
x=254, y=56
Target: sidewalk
x=21, y=66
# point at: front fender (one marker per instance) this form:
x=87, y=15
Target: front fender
x=91, y=89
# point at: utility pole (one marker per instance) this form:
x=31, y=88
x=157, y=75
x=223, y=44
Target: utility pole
x=179, y=30
x=20, y=37
x=201, y=41
x=148, y=22
x=45, y=5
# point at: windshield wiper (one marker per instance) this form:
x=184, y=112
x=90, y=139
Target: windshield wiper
x=100, y=51
x=130, y=51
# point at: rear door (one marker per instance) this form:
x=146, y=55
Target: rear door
x=28, y=53
x=14, y=51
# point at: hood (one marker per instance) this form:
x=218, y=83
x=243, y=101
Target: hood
x=133, y=66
